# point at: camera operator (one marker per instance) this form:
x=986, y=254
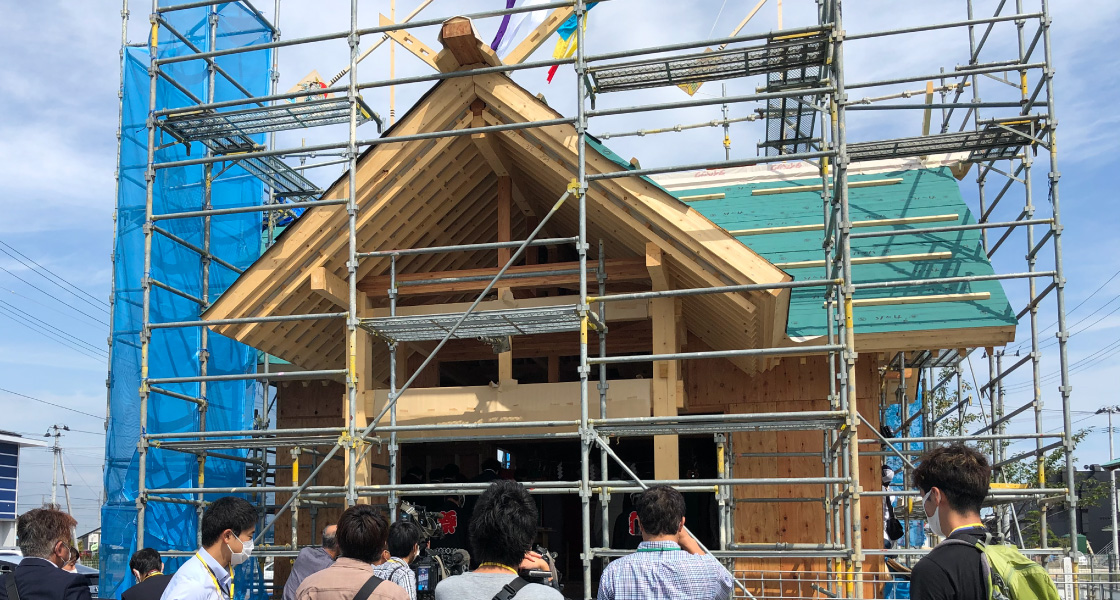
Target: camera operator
x=668, y=563
x=502, y=531
x=404, y=546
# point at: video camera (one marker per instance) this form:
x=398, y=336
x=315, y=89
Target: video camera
x=427, y=520
x=433, y=565
x=551, y=577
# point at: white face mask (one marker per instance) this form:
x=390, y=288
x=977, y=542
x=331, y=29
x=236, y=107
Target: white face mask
x=237, y=558
x=932, y=520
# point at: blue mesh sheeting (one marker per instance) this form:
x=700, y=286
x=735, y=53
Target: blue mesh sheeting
x=916, y=535
x=175, y=352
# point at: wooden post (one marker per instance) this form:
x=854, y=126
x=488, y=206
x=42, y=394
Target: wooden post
x=664, y=313
x=364, y=370
x=553, y=368
x=505, y=202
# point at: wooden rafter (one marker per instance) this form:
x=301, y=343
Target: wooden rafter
x=618, y=270
x=410, y=42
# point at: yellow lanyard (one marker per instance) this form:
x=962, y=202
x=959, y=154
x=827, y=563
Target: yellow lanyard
x=968, y=526
x=498, y=566
x=217, y=585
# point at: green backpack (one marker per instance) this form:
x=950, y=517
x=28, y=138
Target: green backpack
x=1009, y=574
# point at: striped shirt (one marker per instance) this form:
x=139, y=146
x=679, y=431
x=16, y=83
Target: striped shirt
x=400, y=573
x=662, y=570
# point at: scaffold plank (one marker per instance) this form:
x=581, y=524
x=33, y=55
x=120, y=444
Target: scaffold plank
x=487, y=324
x=210, y=124
x=995, y=141
x=804, y=53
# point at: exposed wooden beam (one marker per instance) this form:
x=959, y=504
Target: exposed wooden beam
x=328, y=286
x=410, y=43
x=505, y=232
x=665, y=313
x=618, y=269
x=492, y=151
x=538, y=36
x=636, y=310
x=463, y=47
x=658, y=270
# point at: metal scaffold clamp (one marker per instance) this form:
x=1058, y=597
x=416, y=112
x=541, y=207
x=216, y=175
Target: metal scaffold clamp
x=574, y=188
x=346, y=441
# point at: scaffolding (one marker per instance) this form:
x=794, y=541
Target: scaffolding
x=805, y=104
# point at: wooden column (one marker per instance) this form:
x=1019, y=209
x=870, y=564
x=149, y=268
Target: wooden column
x=665, y=315
x=553, y=368
x=364, y=368
x=505, y=202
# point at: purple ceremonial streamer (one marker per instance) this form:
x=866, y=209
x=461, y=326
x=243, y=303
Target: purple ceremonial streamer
x=502, y=28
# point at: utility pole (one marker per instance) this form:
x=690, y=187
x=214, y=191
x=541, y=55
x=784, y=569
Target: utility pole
x=57, y=464
x=1112, y=489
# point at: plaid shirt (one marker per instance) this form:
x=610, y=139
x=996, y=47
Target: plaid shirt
x=662, y=570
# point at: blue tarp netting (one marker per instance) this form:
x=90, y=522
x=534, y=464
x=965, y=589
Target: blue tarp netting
x=916, y=535
x=175, y=352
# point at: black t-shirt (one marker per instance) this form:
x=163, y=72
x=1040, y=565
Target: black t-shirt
x=453, y=524
x=951, y=571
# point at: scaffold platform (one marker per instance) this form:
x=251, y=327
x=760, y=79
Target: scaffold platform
x=286, y=182
x=487, y=324
x=209, y=124
x=997, y=140
x=797, y=52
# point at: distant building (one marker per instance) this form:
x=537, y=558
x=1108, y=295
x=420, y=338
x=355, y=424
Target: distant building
x=10, y=443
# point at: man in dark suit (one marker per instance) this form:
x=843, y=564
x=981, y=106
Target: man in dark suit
x=147, y=568
x=45, y=538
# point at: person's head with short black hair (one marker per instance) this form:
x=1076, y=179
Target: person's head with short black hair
x=451, y=472
x=491, y=464
x=504, y=524
x=330, y=542
x=228, y=524
x=361, y=534
x=145, y=563
x=404, y=540
x=660, y=511
x=46, y=532
x=955, y=477
x=414, y=475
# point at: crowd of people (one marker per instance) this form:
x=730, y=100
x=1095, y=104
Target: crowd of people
x=363, y=557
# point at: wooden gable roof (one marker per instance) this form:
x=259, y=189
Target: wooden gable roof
x=442, y=191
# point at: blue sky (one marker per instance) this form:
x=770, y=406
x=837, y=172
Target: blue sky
x=59, y=72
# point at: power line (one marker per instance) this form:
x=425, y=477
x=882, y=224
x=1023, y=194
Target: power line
x=56, y=298
x=56, y=276
x=1082, y=303
x=51, y=336
x=89, y=432
x=1111, y=349
x=51, y=308
x=52, y=404
x=79, y=473
x=45, y=324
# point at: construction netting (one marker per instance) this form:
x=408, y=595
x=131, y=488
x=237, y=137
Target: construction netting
x=915, y=531
x=234, y=238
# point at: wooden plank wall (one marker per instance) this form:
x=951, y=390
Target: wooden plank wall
x=793, y=385
x=311, y=404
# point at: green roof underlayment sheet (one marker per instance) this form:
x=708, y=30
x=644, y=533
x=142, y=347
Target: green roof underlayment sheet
x=920, y=193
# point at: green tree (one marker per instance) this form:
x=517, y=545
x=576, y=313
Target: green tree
x=1025, y=472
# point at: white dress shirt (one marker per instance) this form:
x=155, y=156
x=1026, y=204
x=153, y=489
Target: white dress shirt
x=200, y=578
